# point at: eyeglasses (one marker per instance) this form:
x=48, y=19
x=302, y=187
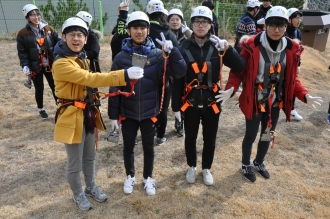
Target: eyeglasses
x=35, y=15
x=198, y=23
x=273, y=27
x=78, y=35
x=299, y=18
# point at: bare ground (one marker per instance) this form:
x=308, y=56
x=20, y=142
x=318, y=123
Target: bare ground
x=32, y=165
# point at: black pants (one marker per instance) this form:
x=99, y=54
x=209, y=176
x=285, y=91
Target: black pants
x=162, y=116
x=251, y=131
x=293, y=101
x=129, y=129
x=38, y=82
x=210, y=122
x=329, y=108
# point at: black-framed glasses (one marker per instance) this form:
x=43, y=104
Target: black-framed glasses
x=197, y=23
x=274, y=27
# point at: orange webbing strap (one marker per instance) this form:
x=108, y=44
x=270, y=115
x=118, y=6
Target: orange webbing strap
x=185, y=105
x=154, y=119
x=215, y=107
x=41, y=41
x=164, y=80
x=221, y=64
x=215, y=88
x=271, y=69
x=79, y=104
x=279, y=68
x=194, y=66
x=280, y=104
x=262, y=108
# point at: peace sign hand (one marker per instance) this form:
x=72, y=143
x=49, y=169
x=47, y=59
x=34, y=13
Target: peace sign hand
x=124, y=5
x=166, y=44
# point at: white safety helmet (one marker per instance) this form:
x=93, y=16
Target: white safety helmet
x=155, y=6
x=87, y=17
x=277, y=11
x=293, y=10
x=74, y=21
x=176, y=12
x=29, y=7
x=202, y=11
x=165, y=11
x=137, y=16
x=252, y=4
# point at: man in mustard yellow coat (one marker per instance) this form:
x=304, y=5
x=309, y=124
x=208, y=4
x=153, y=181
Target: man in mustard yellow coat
x=78, y=116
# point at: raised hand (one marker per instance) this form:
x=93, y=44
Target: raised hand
x=124, y=5
x=167, y=44
x=219, y=44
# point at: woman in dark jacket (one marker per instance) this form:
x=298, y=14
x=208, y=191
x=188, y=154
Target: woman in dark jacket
x=158, y=24
x=182, y=32
x=35, y=45
x=199, y=88
x=293, y=32
x=139, y=110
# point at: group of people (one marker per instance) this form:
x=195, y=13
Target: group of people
x=161, y=60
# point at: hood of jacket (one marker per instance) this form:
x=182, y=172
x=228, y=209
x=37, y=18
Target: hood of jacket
x=62, y=48
x=144, y=49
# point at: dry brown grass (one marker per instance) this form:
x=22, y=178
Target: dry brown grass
x=32, y=165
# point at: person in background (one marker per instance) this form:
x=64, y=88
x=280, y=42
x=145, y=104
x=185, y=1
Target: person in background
x=195, y=94
x=270, y=82
x=92, y=47
x=77, y=117
x=293, y=32
x=264, y=7
x=139, y=111
x=182, y=32
x=178, y=25
x=246, y=24
x=35, y=43
x=159, y=24
x=215, y=21
x=119, y=31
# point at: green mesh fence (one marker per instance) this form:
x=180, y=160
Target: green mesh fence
x=12, y=19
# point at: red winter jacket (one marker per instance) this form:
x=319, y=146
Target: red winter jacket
x=251, y=54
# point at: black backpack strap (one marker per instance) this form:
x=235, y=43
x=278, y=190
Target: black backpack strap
x=266, y=70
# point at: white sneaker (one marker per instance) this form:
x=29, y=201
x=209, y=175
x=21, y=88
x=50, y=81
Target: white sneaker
x=295, y=115
x=129, y=184
x=191, y=175
x=150, y=186
x=207, y=177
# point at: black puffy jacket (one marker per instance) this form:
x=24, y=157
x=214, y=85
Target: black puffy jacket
x=144, y=104
x=27, y=48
